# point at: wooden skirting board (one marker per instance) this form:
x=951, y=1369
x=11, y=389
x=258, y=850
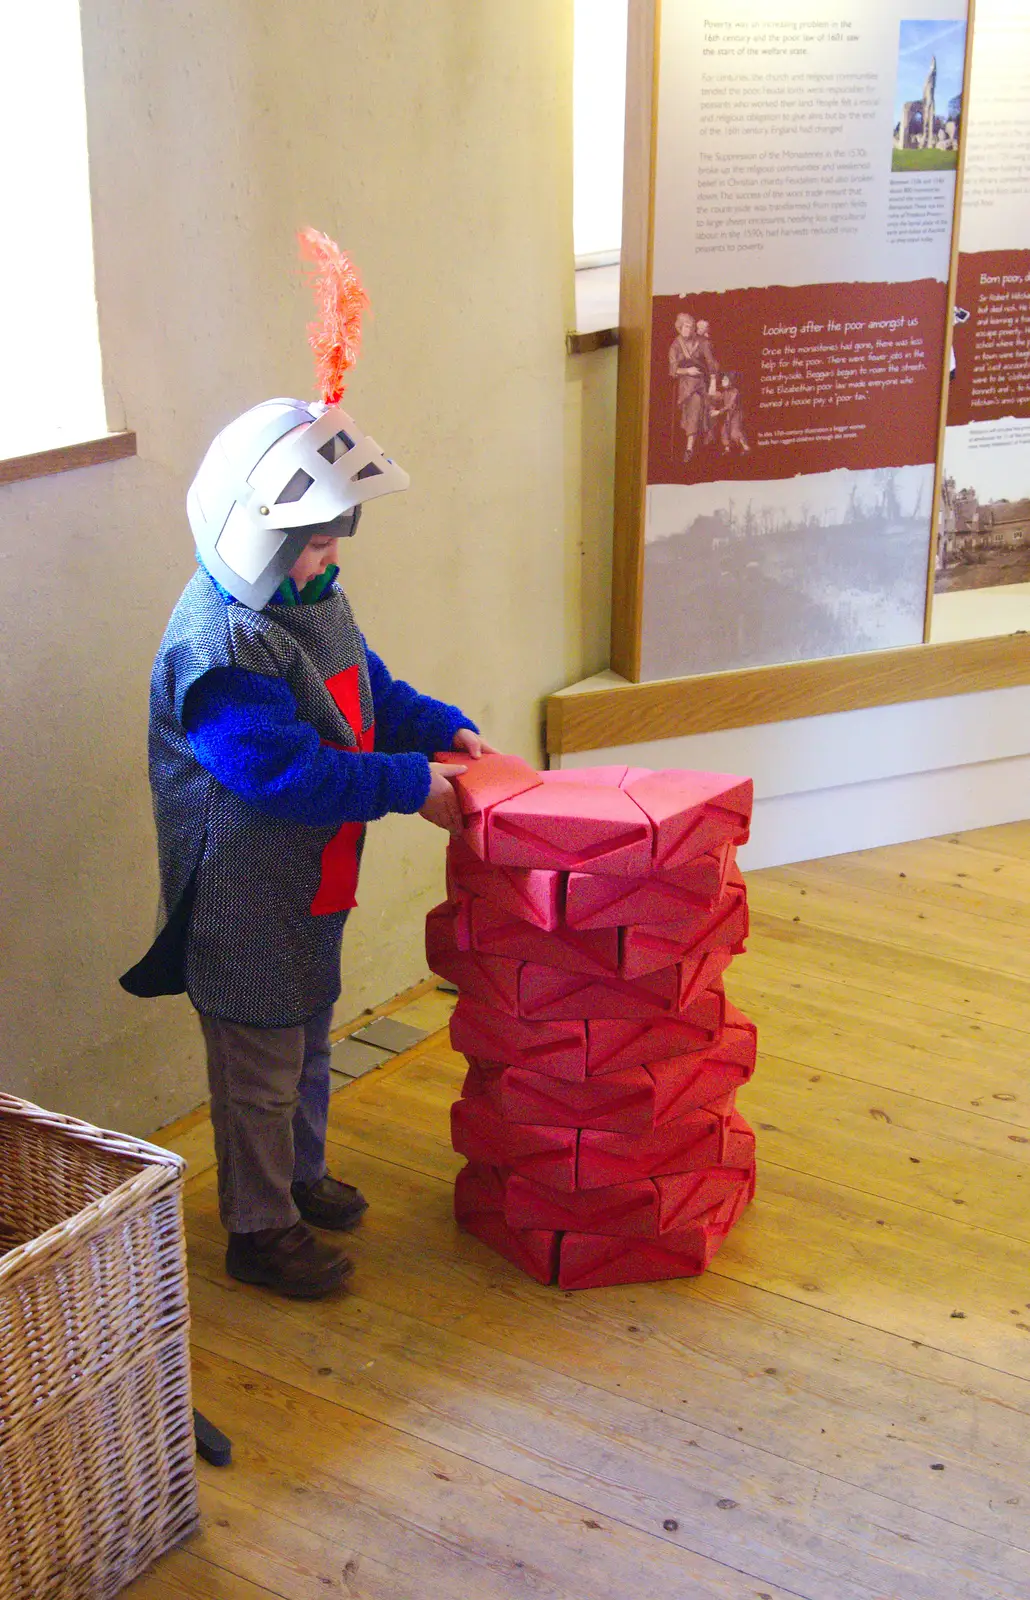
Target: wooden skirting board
x=608, y=711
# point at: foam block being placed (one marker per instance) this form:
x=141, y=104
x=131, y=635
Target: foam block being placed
x=692, y=813
x=479, y=1209
x=593, y=1261
x=573, y=827
x=485, y=784
x=547, y=1155
x=532, y=895
x=499, y=933
x=557, y=1049
x=648, y=947
x=592, y=901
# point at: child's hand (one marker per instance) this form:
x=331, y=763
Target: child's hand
x=441, y=805
x=473, y=744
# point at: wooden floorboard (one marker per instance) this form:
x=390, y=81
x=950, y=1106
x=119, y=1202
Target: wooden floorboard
x=838, y=1410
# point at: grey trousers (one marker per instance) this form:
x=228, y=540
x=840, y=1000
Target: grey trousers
x=269, y=1107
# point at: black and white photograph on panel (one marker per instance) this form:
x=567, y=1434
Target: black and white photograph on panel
x=753, y=574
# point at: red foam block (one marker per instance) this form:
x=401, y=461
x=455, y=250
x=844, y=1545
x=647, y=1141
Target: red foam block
x=547, y=994
x=629, y=1211
x=499, y=933
x=592, y=901
x=557, y=1049
x=688, y=1197
x=635, y=1100
x=693, y=812
x=648, y=947
x=682, y=1144
x=688, y=1083
x=482, y=1136
x=532, y=895
x=457, y=911
x=623, y=1102
x=613, y=1042
x=493, y=980
x=699, y=973
x=595, y=777
x=739, y=1040
x=593, y=1261
x=646, y=1208
x=479, y=1210
x=738, y=1142
x=485, y=784
x=573, y=827
x=551, y=995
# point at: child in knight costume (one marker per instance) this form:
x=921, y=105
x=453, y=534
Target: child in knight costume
x=275, y=737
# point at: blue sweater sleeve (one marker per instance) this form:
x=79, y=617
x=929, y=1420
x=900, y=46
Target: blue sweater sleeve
x=244, y=729
x=407, y=720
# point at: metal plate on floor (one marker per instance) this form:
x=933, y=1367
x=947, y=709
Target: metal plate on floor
x=386, y=1034
x=352, y=1058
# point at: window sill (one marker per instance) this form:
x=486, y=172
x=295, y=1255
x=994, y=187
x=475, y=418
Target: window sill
x=597, y=310
x=66, y=457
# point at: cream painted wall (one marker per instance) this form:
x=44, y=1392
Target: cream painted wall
x=435, y=143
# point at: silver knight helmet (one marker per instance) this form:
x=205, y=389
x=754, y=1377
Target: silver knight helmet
x=288, y=467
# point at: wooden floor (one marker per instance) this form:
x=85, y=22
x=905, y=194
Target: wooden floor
x=839, y=1409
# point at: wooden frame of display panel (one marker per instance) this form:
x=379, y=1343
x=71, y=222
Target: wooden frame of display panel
x=625, y=712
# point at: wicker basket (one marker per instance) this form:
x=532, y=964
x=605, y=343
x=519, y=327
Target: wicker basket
x=97, y=1465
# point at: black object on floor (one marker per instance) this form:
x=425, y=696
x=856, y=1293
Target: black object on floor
x=212, y=1445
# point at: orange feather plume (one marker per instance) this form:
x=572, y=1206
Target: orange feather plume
x=335, y=337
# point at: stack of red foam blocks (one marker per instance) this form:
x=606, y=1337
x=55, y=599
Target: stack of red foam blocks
x=590, y=917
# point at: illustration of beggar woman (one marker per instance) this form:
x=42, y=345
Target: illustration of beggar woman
x=694, y=369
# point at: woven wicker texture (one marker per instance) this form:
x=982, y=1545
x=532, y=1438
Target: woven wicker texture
x=97, y=1466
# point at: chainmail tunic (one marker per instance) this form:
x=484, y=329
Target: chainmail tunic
x=254, y=953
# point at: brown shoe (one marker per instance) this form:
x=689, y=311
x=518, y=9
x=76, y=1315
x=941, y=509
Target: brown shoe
x=289, y=1260
x=329, y=1203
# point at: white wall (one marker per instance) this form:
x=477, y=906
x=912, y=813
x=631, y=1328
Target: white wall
x=435, y=143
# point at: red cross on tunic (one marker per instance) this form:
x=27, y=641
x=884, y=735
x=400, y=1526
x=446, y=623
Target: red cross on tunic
x=339, y=881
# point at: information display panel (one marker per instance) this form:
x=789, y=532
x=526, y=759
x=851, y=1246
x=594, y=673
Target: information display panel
x=805, y=167
x=982, y=574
